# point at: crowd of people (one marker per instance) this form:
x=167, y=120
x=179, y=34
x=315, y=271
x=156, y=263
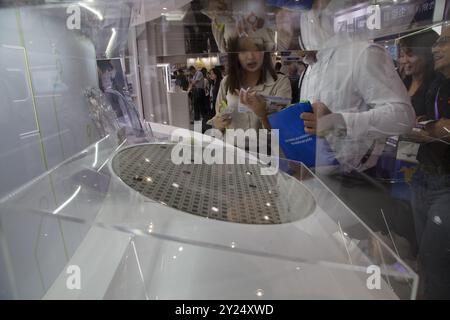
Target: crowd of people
x=202, y=87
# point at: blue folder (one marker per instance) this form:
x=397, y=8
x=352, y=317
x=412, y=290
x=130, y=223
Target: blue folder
x=295, y=142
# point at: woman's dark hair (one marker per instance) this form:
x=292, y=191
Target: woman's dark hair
x=218, y=73
x=216, y=87
x=105, y=65
x=420, y=45
x=278, y=66
x=235, y=70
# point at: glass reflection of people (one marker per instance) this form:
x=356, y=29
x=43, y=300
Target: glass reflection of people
x=120, y=102
x=237, y=18
x=358, y=101
x=250, y=75
x=415, y=52
x=354, y=87
x=431, y=184
x=107, y=74
x=295, y=70
x=278, y=67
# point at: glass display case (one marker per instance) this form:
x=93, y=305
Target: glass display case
x=120, y=180
x=134, y=225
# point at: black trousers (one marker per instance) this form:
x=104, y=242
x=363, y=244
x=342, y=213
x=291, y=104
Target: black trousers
x=199, y=102
x=431, y=205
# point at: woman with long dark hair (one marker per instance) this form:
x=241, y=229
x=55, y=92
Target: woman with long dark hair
x=250, y=75
x=415, y=52
x=216, y=78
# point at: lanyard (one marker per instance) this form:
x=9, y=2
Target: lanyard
x=436, y=107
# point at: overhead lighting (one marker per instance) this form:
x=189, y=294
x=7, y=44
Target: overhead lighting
x=111, y=42
x=174, y=15
x=96, y=12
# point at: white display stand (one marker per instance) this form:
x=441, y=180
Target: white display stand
x=129, y=246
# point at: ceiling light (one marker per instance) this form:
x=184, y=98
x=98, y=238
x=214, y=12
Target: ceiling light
x=111, y=42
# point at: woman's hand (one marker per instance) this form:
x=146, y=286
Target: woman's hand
x=255, y=102
x=418, y=135
x=221, y=122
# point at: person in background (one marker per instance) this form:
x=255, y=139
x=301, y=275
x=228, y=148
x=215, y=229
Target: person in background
x=198, y=93
x=182, y=81
x=223, y=70
x=358, y=101
x=190, y=75
x=206, y=86
x=215, y=74
x=415, y=52
x=400, y=66
x=112, y=87
x=357, y=96
x=250, y=74
x=206, y=111
x=431, y=183
x=294, y=77
x=107, y=74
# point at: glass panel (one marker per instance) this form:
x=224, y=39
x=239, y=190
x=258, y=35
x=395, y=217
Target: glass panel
x=287, y=227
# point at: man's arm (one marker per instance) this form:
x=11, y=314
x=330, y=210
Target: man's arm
x=376, y=80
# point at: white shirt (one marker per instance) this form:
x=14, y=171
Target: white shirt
x=358, y=80
x=198, y=76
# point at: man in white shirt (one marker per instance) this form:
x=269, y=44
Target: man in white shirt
x=358, y=98
x=358, y=101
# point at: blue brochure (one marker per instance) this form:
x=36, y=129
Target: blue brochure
x=295, y=143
